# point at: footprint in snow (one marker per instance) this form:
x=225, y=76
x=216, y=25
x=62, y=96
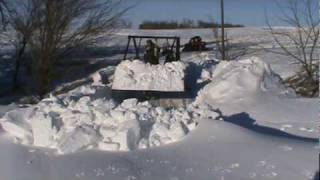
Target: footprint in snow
x=99, y=172
x=226, y=171
x=150, y=161
x=166, y=162
x=270, y=175
x=174, y=178
x=270, y=166
x=217, y=168
x=308, y=174
x=306, y=129
x=264, y=164
x=286, y=148
x=210, y=170
x=174, y=168
x=212, y=138
x=145, y=173
x=235, y=165
x=32, y=150
x=29, y=162
x=252, y=175
x=131, y=178
x=220, y=170
x=80, y=174
x=261, y=163
x=285, y=127
x=189, y=170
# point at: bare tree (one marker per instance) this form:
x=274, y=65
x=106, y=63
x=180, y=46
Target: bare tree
x=21, y=18
x=57, y=26
x=3, y=19
x=301, y=44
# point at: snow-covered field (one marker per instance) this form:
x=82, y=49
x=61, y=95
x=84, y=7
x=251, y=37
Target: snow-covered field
x=242, y=124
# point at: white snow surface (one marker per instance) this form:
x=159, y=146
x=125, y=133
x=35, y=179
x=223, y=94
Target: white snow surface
x=72, y=125
x=136, y=75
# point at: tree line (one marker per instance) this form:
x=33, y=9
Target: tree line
x=184, y=24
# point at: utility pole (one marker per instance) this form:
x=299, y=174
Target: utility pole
x=222, y=30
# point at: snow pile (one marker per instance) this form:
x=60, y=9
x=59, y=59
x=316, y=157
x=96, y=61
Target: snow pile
x=69, y=125
x=238, y=79
x=136, y=75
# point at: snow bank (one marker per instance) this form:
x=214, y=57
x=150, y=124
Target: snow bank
x=70, y=125
x=238, y=79
x=136, y=75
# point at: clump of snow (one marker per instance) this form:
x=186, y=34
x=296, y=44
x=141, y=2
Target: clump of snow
x=69, y=124
x=18, y=124
x=102, y=76
x=136, y=75
x=237, y=79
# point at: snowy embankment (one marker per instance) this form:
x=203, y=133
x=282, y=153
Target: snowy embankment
x=139, y=76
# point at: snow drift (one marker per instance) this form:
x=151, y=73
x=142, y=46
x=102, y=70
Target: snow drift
x=237, y=79
x=136, y=75
x=70, y=125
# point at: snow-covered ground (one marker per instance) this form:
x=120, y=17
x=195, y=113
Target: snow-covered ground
x=243, y=124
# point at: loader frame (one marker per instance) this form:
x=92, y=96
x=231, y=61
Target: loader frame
x=175, y=45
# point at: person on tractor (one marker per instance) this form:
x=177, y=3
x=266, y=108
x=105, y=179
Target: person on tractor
x=152, y=52
x=195, y=44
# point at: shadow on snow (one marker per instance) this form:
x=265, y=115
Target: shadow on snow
x=244, y=120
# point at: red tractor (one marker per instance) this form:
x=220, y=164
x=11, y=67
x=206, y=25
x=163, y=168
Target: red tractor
x=195, y=44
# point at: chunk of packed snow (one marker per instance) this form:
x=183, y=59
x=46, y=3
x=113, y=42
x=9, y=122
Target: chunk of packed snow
x=101, y=77
x=136, y=75
x=44, y=127
x=79, y=138
x=16, y=123
x=72, y=124
x=82, y=91
x=236, y=79
x=109, y=146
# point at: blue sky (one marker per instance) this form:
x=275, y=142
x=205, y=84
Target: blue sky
x=247, y=12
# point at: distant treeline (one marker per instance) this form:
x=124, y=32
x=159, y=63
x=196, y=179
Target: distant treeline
x=185, y=24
